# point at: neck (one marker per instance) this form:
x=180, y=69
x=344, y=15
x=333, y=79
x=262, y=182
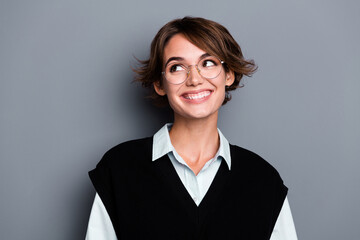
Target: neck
x=195, y=140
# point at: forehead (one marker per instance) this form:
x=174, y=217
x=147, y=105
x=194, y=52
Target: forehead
x=180, y=46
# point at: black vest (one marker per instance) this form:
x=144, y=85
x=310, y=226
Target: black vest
x=147, y=200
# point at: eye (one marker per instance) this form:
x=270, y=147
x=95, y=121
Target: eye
x=176, y=68
x=209, y=63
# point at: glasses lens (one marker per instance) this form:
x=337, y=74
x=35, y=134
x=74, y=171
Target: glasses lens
x=209, y=67
x=175, y=73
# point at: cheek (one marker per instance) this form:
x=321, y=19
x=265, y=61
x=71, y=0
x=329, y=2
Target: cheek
x=171, y=94
x=220, y=86
x=221, y=97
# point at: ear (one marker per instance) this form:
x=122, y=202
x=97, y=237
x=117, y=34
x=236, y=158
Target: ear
x=230, y=78
x=159, y=89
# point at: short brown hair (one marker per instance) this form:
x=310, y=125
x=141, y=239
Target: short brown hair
x=207, y=35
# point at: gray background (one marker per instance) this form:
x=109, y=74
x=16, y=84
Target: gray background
x=66, y=97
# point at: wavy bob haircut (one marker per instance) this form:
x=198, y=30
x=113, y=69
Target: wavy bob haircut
x=207, y=35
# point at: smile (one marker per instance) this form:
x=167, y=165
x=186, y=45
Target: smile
x=199, y=95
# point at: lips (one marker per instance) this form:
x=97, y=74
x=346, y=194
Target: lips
x=197, y=96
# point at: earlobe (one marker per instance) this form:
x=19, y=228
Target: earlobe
x=230, y=78
x=159, y=89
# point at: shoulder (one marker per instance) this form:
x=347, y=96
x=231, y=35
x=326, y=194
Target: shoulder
x=127, y=152
x=246, y=160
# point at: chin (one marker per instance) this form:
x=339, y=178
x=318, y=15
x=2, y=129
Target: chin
x=196, y=111
x=200, y=115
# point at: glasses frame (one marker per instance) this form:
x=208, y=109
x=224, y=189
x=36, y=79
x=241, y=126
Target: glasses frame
x=188, y=68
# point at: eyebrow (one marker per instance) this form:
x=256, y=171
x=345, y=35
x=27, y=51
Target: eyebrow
x=181, y=59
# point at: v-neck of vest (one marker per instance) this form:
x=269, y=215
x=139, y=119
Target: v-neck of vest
x=177, y=188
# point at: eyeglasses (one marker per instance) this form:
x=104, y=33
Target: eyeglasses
x=209, y=67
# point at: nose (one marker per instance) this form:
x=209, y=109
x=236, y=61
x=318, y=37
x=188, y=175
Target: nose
x=193, y=76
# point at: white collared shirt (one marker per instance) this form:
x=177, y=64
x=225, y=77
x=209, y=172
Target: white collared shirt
x=100, y=226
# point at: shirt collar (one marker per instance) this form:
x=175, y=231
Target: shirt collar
x=162, y=145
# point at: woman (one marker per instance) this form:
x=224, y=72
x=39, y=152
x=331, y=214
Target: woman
x=187, y=181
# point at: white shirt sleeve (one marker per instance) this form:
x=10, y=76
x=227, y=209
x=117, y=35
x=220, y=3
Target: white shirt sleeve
x=284, y=227
x=100, y=226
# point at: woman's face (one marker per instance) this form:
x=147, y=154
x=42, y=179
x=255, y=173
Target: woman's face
x=197, y=97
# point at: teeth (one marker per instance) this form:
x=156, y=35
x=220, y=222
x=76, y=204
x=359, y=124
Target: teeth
x=197, y=96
